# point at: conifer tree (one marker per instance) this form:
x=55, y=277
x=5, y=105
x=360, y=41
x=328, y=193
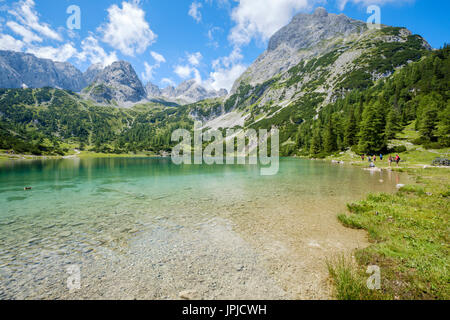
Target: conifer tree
x=316, y=142
x=444, y=126
x=351, y=131
x=428, y=123
x=330, y=138
x=393, y=124
x=371, y=135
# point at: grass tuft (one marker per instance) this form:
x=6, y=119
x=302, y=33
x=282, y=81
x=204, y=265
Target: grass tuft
x=348, y=281
x=409, y=232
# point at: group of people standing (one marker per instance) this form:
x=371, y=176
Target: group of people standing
x=373, y=159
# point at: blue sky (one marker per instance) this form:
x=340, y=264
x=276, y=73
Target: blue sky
x=167, y=42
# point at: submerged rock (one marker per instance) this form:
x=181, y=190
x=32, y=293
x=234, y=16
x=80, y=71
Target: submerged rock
x=188, y=294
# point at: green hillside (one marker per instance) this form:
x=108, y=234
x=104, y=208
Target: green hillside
x=365, y=116
x=40, y=121
x=367, y=120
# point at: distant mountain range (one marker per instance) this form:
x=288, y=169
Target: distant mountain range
x=189, y=91
x=19, y=70
x=116, y=84
x=324, y=81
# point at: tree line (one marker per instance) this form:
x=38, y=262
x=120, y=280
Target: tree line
x=366, y=120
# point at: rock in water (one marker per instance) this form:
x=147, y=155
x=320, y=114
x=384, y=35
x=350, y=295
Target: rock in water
x=188, y=294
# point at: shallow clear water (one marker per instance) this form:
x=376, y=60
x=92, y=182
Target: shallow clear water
x=148, y=229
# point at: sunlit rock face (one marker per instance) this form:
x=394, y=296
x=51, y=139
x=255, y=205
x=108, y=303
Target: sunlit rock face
x=18, y=70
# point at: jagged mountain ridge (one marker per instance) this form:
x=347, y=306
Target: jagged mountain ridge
x=116, y=84
x=187, y=92
x=119, y=83
x=295, y=81
x=19, y=70
x=327, y=73
x=43, y=121
x=91, y=73
x=286, y=46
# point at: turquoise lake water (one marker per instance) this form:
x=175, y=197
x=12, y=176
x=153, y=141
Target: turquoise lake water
x=141, y=228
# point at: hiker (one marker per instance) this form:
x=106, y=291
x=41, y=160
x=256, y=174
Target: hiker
x=397, y=159
x=362, y=157
x=390, y=160
x=381, y=157
x=374, y=158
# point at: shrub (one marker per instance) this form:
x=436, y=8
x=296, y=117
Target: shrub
x=398, y=149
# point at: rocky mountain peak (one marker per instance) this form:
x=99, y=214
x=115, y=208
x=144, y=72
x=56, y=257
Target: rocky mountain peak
x=306, y=36
x=306, y=30
x=19, y=69
x=187, y=85
x=118, y=82
x=168, y=91
x=188, y=91
x=91, y=73
x=153, y=91
x=320, y=12
x=120, y=72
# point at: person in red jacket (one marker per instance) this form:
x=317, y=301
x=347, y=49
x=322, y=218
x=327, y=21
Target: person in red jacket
x=397, y=159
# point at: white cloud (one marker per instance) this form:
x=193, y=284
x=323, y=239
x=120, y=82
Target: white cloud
x=224, y=78
x=212, y=42
x=27, y=21
x=168, y=82
x=92, y=51
x=62, y=53
x=127, y=30
x=260, y=19
x=159, y=58
x=194, y=11
x=26, y=14
x=9, y=43
x=212, y=31
x=188, y=72
x=220, y=3
x=149, y=71
x=27, y=35
x=147, y=75
x=343, y=3
x=254, y=20
x=226, y=70
x=183, y=72
x=228, y=61
x=195, y=58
